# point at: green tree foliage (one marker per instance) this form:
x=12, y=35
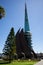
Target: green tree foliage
x=2, y=12
x=10, y=47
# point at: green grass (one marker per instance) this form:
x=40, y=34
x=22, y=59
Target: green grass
x=22, y=62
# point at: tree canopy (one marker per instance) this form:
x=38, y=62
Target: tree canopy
x=9, y=47
x=2, y=12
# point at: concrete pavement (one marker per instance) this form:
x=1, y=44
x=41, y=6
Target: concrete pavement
x=39, y=63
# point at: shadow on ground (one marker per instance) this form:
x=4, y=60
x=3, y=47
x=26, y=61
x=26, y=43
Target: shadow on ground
x=5, y=63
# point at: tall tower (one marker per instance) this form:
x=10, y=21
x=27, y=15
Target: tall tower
x=23, y=40
x=26, y=25
x=27, y=29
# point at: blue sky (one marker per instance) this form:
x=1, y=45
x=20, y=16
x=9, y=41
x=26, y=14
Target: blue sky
x=15, y=18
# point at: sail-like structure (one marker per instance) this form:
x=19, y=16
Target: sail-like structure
x=23, y=40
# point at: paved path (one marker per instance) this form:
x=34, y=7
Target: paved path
x=39, y=63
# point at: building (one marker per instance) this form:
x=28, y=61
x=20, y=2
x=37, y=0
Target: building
x=23, y=40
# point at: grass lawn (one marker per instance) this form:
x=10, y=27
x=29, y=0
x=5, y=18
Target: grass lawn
x=24, y=62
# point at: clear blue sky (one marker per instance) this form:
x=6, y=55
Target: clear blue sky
x=15, y=18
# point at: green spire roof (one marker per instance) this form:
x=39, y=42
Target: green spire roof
x=26, y=21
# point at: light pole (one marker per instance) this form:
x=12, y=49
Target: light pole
x=23, y=54
x=16, y=55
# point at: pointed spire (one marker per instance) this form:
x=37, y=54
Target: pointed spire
x=26, y=20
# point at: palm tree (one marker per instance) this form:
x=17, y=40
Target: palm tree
x=2, y=12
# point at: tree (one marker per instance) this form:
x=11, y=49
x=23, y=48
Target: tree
x=10, y=46
x=2, y=12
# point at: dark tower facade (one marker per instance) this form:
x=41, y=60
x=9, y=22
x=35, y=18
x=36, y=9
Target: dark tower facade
x=23, y=40
x=27, y=32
